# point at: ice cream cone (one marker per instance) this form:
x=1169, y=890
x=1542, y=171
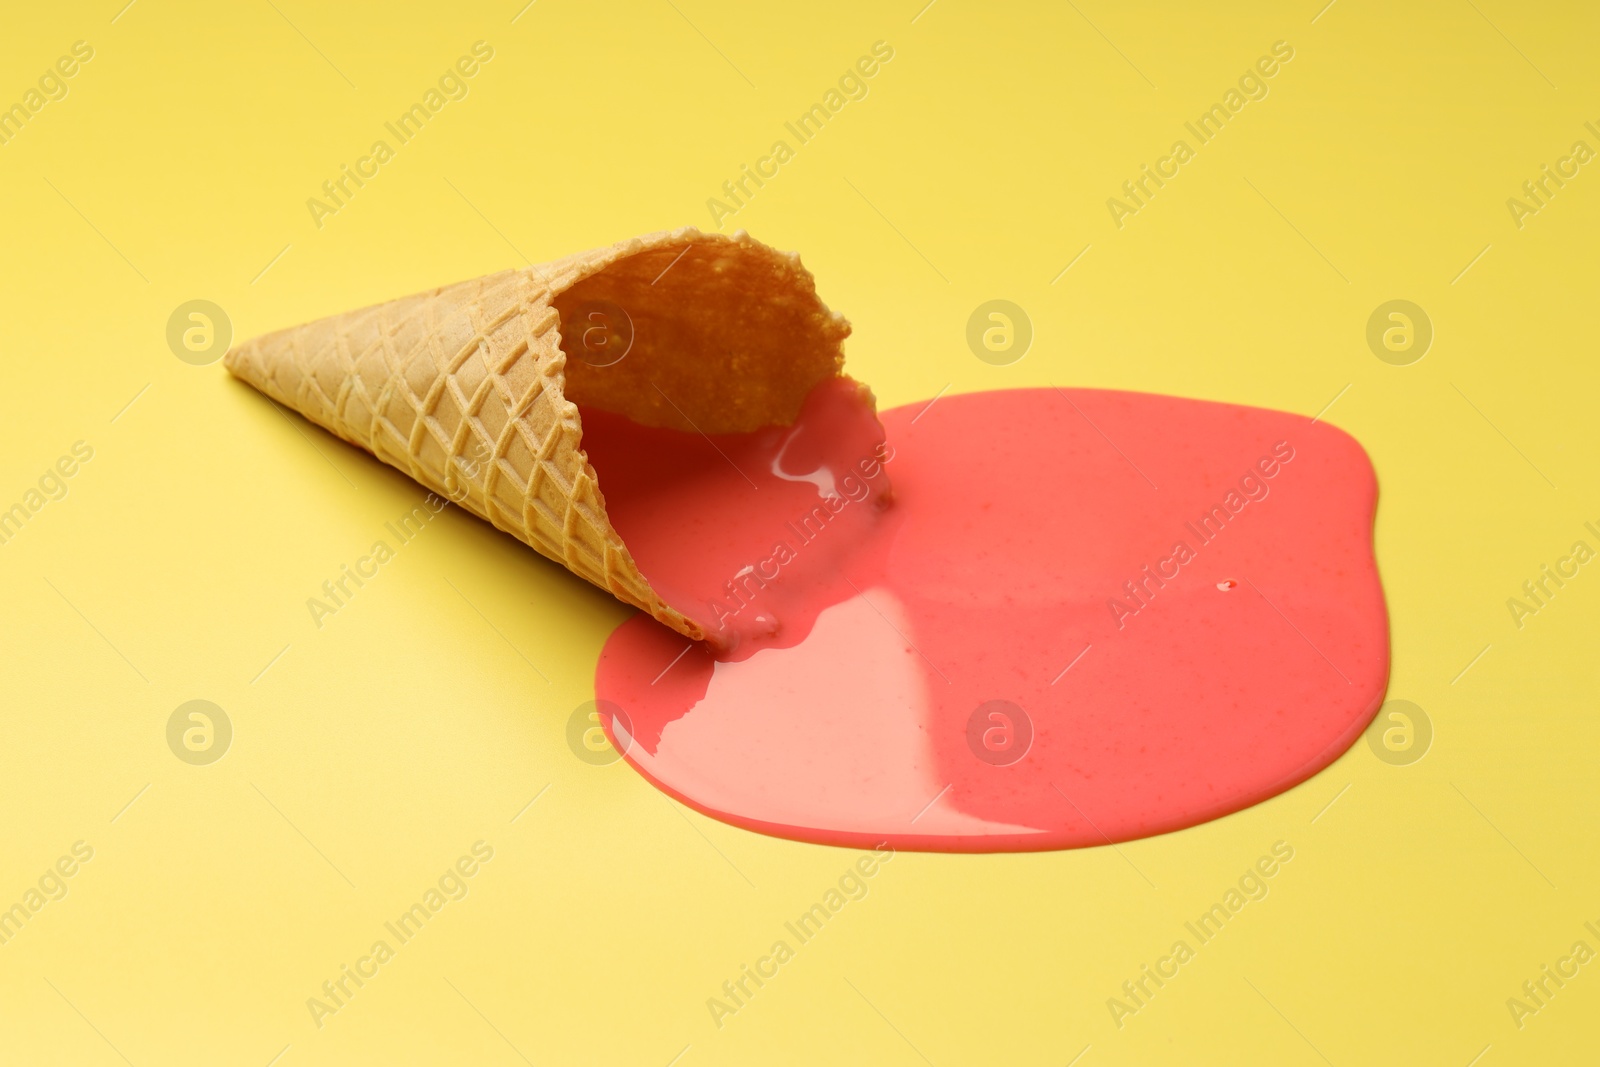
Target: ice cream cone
x=473, y=390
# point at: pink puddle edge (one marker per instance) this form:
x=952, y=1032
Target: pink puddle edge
x=1086, y=616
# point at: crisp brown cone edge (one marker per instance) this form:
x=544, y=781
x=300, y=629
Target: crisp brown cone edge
x=470, y=389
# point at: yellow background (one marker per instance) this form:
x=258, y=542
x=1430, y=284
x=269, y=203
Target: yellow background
x=375, y=751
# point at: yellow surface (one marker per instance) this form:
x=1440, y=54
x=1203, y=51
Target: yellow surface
x=428, y=712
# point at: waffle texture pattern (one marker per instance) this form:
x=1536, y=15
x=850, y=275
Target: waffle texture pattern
x=461, y=388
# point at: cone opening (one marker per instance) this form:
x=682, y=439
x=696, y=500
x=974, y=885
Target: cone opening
x=707, y=334
x=721, y=431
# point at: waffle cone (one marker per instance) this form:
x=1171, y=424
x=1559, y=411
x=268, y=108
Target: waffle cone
x=470, y=390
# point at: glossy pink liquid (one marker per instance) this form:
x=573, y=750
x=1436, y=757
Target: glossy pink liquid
x=1032, y=647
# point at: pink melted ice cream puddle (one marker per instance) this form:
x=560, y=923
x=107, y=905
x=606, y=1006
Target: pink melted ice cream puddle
x=1078, y=616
